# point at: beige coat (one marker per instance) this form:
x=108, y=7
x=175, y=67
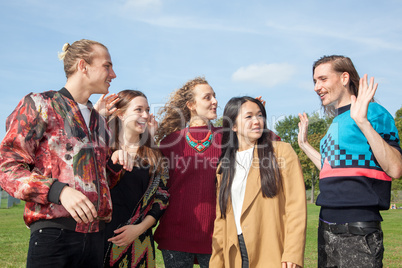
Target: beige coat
x=274, y=229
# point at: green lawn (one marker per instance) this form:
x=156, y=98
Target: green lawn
x=14, y=237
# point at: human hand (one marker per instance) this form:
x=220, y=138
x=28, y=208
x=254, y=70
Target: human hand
x=105, y=105
x=359, y=105
x=78, y=205
x=261, y=100
x=126, y=235
x=152, y=125
x=289, y=265
x=125, y=157
x=303, y=130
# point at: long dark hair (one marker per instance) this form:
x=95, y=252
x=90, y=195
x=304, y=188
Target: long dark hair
x=271, y=179
x=148, y=155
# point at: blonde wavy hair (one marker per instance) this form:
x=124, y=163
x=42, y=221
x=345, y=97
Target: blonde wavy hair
x=175, y=114
x=81, y=49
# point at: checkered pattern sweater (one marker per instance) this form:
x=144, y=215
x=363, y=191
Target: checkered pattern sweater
x=353, y=187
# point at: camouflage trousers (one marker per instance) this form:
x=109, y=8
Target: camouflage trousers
x=347, y=250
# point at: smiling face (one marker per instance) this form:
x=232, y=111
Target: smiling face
x=136, y=116
x=249, y=124
x=331, y=86
x=100, y=72
x=205, y=103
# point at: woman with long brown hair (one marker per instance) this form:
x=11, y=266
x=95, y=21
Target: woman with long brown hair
x=137, y=181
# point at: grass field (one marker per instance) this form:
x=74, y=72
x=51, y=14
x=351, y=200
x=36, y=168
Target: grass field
x=14, y=237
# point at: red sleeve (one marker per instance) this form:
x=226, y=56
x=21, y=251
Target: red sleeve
x=25, y=129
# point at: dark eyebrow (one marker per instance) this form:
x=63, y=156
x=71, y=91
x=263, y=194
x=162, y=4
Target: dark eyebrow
x=140, y=106
x=259, y=112
x=320, y=77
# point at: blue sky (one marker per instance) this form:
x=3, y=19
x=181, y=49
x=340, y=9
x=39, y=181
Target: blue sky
x=241, y=47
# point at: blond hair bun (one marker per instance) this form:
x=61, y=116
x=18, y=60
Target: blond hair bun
x=65, y=48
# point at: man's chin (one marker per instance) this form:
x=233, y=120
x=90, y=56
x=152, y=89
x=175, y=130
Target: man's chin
x=103, y=91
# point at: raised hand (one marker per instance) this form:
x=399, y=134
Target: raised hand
x=152, y=125
x=261, y=100
x=309, y=150
x=105, y=104
x=303, y=129
x=388, y=157
x=359, y=105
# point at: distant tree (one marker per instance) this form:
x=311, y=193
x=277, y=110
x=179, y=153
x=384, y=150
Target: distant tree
x=288, y=130
x=398, y=113
x=317, y=124
x=398, y=122
x=397, y=184
x=218, y=122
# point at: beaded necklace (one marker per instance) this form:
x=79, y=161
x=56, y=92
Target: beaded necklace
x=199, y=145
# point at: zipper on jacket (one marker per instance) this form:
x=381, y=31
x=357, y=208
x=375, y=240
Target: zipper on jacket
x=96, y=168
x=97, y=205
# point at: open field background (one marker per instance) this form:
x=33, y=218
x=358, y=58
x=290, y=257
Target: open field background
x=14, y=237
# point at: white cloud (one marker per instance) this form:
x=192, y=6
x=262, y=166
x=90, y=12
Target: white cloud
x=268, y=75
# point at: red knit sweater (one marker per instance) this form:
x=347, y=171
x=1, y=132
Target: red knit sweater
x=188, y=222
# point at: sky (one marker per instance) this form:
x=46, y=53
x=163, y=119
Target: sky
x=256, y=48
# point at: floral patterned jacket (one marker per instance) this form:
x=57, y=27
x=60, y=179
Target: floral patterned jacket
x=47, y=146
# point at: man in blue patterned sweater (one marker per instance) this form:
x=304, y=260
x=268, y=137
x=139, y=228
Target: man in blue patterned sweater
x=359, y=156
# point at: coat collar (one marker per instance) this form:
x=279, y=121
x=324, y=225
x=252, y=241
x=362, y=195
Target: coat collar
x=253, y=187
x=64, y=91
x=253, y=184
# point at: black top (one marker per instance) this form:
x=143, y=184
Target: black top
x=125, y=197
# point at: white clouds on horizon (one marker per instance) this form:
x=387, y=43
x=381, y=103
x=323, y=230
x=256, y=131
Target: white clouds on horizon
x=267, y=75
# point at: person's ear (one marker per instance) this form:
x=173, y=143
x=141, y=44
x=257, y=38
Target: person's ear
x=190, y=105
x=345, y=78
x=82, y=65
x=234, y=128
x=119, y=114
